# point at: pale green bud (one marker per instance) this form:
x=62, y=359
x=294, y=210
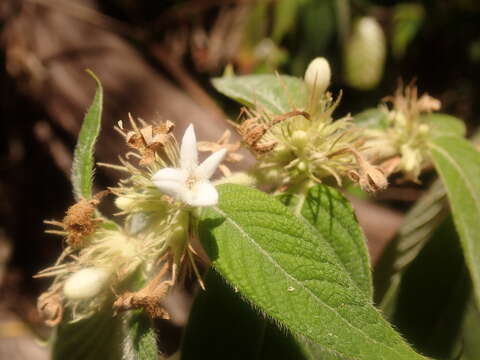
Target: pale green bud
x=124, y=203
x=85, y=283
x=299, y=138
x=302, y=166
x=365, y=53
x=318, y=75
x=240, y=178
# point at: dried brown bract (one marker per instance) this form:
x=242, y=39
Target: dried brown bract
x=149, y=298
x=50, y=308
x=370, y=178
x=406, y=101
x=149, y=139
x=252, y=132
x=79, y=221
x=253, y=129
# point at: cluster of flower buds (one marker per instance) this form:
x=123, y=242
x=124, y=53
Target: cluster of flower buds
x=306, y=145
x=165, y=183
x=402, y=142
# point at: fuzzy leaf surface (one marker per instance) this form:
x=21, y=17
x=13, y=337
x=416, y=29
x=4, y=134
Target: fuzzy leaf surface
x=275, y=94
x=444, y=125
x=141, y=343
x=458, y=163
x=333, y=218
x=220, y=318
x=98, y=337
x=420, y=223
x=82, y=168
x=279, y=264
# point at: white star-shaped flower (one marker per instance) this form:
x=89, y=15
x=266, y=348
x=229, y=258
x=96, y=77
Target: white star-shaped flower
x=190, y=183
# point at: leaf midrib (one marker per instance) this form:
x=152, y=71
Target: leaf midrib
x=287, y=275
x=341, y=263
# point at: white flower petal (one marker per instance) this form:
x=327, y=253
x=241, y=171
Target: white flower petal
x=170, y=181
x=170, y=174
x=203, y=193
x=207, y=168
x=188, y=150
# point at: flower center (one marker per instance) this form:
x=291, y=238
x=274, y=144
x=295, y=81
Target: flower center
x=191, y=180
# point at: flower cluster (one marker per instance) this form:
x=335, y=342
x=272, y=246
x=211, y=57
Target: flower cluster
x=307, y=144
x=156, y=200
x=402, y=140
x=135, y=264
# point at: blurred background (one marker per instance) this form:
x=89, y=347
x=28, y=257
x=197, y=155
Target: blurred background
x=155, y=59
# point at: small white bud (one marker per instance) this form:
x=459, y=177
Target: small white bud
x=318, y=75
x=85, y=283
x=124, y=203
x=302, y=166
x=365, y=54
x=299, y=138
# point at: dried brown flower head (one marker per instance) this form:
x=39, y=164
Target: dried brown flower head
x=149, y=139
x=79, y=221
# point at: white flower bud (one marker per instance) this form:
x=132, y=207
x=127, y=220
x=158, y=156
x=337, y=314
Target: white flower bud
x=365, y=53
x=85, y=283
x=124, y=203
x=318, y=75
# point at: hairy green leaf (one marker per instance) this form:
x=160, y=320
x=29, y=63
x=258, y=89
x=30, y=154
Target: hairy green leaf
x=98, y=337
x=274, y=94
x=458, y=163
x=420, y=224
x=444, y=125
x=224, y=326
x=82, y=169
x=333, y=218
x=434, y=291
x=141, y=342
x=278, y=263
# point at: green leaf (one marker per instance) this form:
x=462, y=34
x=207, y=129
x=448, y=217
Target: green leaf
x=468, y=344
x=434, y=291
x=372, y=119
x=417, y=229
x=98, y=337
x=334, y=221
x=141, y=342
x=275, y=94
x=444, y=125
x=407, y=21
x=224, y=326
x=82, y=169
x=285, y=16
x=279, y=264
x=458, y=163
